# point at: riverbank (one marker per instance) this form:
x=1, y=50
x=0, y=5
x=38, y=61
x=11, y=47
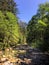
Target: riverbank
x=21, y=56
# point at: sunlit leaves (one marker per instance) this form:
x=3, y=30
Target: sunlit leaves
x=42, y=23
x=9, y=26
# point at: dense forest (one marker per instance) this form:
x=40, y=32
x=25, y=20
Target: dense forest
x=13, y=31
x=38, y=28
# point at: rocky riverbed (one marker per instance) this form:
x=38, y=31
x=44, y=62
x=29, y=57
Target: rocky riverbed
x=30, y=57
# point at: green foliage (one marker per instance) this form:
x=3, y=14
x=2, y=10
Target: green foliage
x=43, y=9
x=38, y=28
x=8, y=5
x=9, y=29
x=23, y=26
x=46, y=39
x=41, y=22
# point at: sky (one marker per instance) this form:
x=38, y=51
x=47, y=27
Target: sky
x=27, y=8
